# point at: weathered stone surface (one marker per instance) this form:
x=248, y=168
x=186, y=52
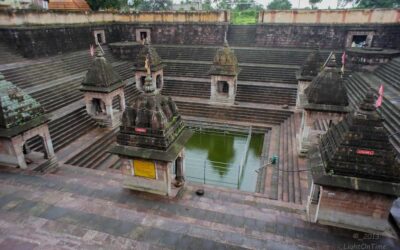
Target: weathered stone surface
x=359, y=146
x=101, y=76
x=311, y=66
x=225, y=62
x=327, y=88
x=152, y=121
x=148, y=52
x=16, y=107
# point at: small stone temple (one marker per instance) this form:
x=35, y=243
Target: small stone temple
x=100, y=86
x=22, y=118
x=308, y=71
x=151, y=143
x=157, y=73
x=224, y=72
x=326, y=99
x=355, y=172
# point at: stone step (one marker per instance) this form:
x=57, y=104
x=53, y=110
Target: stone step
x=233, y=113
x=89, y=157
x=86, y=208
x=268, y=95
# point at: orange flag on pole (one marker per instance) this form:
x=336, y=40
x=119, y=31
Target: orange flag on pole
x=380, y=98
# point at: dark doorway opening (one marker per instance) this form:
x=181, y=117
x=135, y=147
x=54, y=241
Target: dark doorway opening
x=143, y=35
x=99, y=38
x=223, y=87
x=360, y=40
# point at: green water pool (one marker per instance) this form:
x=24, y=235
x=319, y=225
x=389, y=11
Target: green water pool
x=215, y=158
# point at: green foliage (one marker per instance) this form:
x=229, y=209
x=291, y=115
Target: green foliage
x=224, y=5
x=370, y=3
x=152, y=5
x=207, y=5
x=279, y=5
x=107, y=4
x=244, y=17
x=313, y=3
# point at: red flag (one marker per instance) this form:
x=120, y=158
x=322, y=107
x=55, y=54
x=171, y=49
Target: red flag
x=91, y=50
x=344, y=58
x=380, y=98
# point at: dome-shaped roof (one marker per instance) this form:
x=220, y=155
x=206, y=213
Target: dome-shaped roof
x=312, y=65
x=150, y=121
x=16, y=107
x=101, y=76
x=327, y=87
x=149, y=52
x=225, y=62
x=359, y=145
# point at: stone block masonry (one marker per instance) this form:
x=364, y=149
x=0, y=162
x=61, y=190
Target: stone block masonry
x=40, y=41
x=363, y=210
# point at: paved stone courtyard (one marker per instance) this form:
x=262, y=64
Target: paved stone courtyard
x=76, y=208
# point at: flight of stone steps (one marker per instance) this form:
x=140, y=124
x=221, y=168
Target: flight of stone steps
x=244, y=55
x=233, y=113
x=389, y=73
x=288, y=178
x=186, y=88
x=266, y=94
x=357, y=86
x=66, y=129
x=59, y=67
x=86, y=209
x=8, y=55
x=274, y=74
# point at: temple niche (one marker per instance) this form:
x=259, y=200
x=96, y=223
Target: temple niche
x=21, y=119
x=325, y=100
x=355, y=173
x=308, y=71
x=224, y=72
x=100, y=86
x=151, y=143
x=156, y=66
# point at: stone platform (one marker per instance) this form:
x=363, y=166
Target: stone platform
x=78, y=208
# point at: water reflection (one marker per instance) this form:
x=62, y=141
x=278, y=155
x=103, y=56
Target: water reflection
x=214, y=158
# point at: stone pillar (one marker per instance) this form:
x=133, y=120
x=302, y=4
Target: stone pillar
x=17, y=144
x=109, y=108
x=122, y=100
x=302, y=85
x=47, y=143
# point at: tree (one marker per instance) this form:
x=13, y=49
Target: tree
x=224, y=5
x=153, y=5
x=207, y=5
x=107, y=4
x=370, y=3
x=279, y=5
x=313, y=3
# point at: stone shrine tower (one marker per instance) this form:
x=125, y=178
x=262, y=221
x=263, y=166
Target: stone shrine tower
x=100, y=86
x=148, y=52
x=309, y=70
x=151, y=143
x=325, y=99
x=224, y=72
x=355, y=173
x=21, y=119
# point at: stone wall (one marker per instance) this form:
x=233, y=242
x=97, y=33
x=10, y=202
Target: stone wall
x=354, y=209
x=38, y=41
x=323, y=35
x=44, y=17
x=345, y=16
